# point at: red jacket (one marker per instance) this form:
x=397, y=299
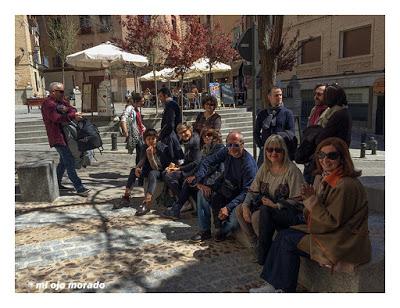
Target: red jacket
x=53, y=119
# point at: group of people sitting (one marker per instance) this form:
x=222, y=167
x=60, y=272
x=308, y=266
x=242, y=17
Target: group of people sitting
x=321, y=214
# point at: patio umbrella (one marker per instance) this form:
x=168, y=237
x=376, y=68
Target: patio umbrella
x=202, y=65
x=104, y=56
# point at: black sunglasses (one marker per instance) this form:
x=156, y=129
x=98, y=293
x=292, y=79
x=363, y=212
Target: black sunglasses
x=232, y=145
x=277, y=150
x=61, y=91
x=330, y=155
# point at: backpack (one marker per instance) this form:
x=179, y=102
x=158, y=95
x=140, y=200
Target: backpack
x=88, y=136
x=82, y=159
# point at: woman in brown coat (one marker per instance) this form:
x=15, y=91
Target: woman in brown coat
x=336, y=233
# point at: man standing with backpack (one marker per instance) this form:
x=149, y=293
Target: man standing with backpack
x=56, y=111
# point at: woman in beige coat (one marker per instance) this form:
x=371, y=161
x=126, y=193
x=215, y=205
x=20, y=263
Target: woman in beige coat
x=336, y=233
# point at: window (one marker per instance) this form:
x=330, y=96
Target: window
x=310, y=51
x=85, y=24
x=173, y=21
x=105, y=23
x=356, y=42
x=287, y=92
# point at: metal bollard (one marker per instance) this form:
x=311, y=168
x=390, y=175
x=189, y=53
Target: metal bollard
x=114, y=142
x=363, y=149
x=373, y=145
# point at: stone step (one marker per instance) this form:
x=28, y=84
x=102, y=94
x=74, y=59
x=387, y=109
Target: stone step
x=30, y=134
x=21, y=127
x=32, y=140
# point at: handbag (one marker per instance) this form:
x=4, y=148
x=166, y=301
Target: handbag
x=228, y=189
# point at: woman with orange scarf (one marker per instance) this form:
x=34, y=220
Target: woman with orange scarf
x=336, y=233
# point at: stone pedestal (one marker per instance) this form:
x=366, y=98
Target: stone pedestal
x=38, y=181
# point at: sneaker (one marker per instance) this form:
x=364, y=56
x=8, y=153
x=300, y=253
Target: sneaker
x=267, y=288
x=83, y=193
x=201, y=236
x=142, y=210
x=219, y=237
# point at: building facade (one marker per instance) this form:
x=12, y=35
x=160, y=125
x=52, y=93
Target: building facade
x=94, y=30
x=348, y=50
x=29, y=61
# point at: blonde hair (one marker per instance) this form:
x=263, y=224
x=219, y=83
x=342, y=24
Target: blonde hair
x=279, y=141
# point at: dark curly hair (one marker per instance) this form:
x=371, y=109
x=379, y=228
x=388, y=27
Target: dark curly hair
x=334, y=95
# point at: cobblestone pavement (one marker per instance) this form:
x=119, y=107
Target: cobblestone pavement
x=78, y=244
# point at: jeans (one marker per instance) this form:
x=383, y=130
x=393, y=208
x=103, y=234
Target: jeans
x=204, y=217
x=174, y=181
x=274, y=219
x=131, y=179
x=281, y=269
x=67, y=162
x=153, y=176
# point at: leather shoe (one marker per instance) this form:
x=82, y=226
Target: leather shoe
x=201, y=236
x=142, y=210
x=219, y=237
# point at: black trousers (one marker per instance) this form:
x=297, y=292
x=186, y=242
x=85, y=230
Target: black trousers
x=271, y=220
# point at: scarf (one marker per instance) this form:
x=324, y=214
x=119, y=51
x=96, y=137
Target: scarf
x=327, y=114
x=316, y=113
x=333, y=177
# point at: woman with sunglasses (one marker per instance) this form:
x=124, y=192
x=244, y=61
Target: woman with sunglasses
x=336, y=233
x=212, y=143
x=209, y=118
x=266, y=208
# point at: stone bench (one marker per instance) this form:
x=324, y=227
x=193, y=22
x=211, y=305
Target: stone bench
x=369, y=277
x=38, y=181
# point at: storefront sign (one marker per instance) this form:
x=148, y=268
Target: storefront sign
x=379, y=86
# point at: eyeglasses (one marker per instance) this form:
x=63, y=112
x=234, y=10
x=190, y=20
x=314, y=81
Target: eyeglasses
x=276, y=150
x=233, y=145
x=61, y=91
x=330, y=155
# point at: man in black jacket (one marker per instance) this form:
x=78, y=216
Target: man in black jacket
x=274, y=119
x=170, y=119
x=175, y=175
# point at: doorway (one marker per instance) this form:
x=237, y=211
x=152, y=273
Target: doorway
x=380, y=116
x=95, y=81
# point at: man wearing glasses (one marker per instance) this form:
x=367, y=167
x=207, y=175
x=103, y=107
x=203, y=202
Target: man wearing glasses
x=56, y=111
x=272, y=120
x=239, y=171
